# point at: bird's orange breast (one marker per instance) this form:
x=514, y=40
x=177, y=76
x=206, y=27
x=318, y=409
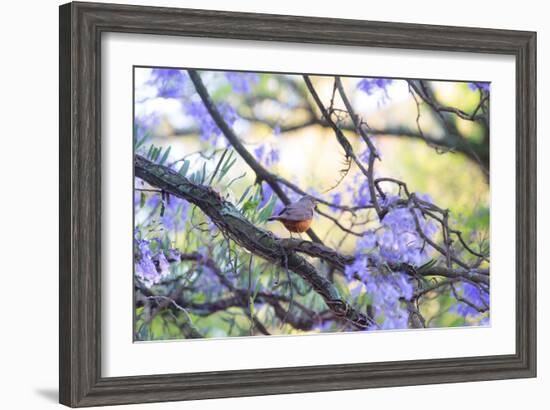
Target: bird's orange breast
x=297, y=226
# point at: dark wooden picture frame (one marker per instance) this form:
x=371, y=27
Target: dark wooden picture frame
x=81, y=28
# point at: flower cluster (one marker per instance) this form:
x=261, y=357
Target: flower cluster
x=175, y=213
x=268, y=156
x=169, y=82
x=386, y=288
x=336, y=199
x=479, y=86
x=363, y=194
x=475, y=298
x=396, y=241
x=146, y=270
x=400, y=241
x=372, y=85
x=208, y=127
x=242, y=82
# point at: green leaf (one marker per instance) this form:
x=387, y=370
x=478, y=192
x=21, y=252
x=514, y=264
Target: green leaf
x=140, y=142
x=245, y=193
x=226, y=168
x=257, y=290
x=235, y=180
x=154, y=246
x=155, y=154
x=157, y=327
x=222, y=92
x=165, y=156
x=142, y=199
x=218, y=165
x=426, y=266
x=267, y=210
x=150, y=152
x=184, y=167
x=166, y=243
x=203, y=174
x=250, y=205
x=258, y=193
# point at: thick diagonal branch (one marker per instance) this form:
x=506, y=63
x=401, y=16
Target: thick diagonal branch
x=256, y=240
x=261, y=173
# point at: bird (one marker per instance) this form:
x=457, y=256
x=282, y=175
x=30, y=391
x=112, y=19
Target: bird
x=297, y=217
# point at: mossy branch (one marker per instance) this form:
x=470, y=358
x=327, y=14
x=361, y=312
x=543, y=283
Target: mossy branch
x=250, y=237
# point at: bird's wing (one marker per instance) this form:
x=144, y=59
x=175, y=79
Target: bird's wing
x=296, y=212
x=282, y=211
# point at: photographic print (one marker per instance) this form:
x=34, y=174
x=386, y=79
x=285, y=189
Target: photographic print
x=297, y=203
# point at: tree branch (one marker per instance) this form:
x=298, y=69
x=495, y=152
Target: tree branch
x=261, y=173
x=449, y=142
x=343, y=141
x=372, y=149
x=256, y=240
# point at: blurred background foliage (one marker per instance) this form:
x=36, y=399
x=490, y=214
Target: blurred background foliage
x=186, y=268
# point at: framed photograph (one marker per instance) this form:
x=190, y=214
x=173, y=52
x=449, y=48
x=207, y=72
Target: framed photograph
x=261, y=204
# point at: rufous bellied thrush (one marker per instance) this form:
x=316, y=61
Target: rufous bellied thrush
x=297, y=217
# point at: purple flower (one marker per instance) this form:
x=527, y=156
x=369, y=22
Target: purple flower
x=364, y=194
x=313, y=192
x=259, y=152
x=208, y=127
x=324, y=326
x=371, y=85
x=399, y=241
x=273, y=156
x=242, y=82
x=424, y=197
x=358, y=267
x=475, y=298
x=475, y=295
x=403, y=283
x=399, y=219
x=153, y=201
x=385, y=289
x=485, y=321
x=164, y=266
x=169, y=82
x=147, y=272
x=268, y=157
x=144, y=125
x=485, y=86
x=175, y=211
x=336, y=199
x=396, y=319
x=368, y=241
x=389, y=200
x=145, y=268
x=464, y=310
x=137, y=200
